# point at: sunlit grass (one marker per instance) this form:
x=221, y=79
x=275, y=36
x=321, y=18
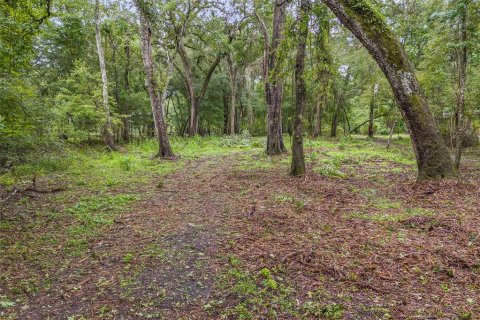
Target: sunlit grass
x=93, y=167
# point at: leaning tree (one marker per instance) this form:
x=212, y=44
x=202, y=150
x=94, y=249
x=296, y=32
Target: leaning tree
x=372, y=30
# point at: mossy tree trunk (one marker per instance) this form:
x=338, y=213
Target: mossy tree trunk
x=157, y=97
x=298, y=158
x=273, y=83
x=368, y=25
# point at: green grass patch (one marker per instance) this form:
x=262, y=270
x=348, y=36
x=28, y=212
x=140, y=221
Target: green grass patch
x=266, y=295
x=91, y=214
x=330, y=170
x=392, y=216
x=257, y=294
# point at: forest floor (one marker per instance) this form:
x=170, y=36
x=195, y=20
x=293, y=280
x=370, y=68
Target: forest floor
x=224, y=232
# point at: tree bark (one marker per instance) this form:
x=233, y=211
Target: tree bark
x=298, y=158
x=433, y=158
x=336, y=103
x=108, y=127
x=273, y=84
x=323, y=62
x=462, y=77
x=248, y=85
x=226, y=115
x=233, y=72
x=157, y=98
x=126, y=122
x=195, y=99
x=371, y=113
x=392, y=130
x=319, y=106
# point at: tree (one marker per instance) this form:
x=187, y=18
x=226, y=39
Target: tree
x=233, y=75
x=273, y=83
x=298, y=157
x=372, y=111
x=180, y=24
x=322, y=65
x=108, y=127
x=461, y=62
x=249, y=94
x=157, y=97
x=371, y=28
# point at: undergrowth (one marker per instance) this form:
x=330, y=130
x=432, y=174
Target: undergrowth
x=266, y=294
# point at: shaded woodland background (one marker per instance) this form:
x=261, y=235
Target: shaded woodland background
x=51, y=86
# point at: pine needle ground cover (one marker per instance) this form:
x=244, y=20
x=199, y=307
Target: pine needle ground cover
x=224, y=232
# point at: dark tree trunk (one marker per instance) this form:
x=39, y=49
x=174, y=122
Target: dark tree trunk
x=193, y=126
x=225, y=113
x=249, y=94
x=233, y=72
x=433, y=158
x=336, y=102
x=116, y=89
x=126, y=122
x=322, y=64
x=156, y=98
x=298, y=158
x=346, y=122
x=371, y=113
x=460, y=124
x=319, y=106
x=273, y=87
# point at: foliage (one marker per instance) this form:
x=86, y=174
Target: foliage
x=50, y=83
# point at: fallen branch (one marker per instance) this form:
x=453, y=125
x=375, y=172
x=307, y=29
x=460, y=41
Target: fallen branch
x=44, y=191
x=15, y=190
x=363, y=123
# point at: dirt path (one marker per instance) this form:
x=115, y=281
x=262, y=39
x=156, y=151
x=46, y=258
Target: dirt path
x=156, y=261
x=372, y=245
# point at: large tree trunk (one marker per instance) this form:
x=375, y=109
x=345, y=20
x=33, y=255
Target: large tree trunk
x=108, y=127
x=156, y=98
x=298, y=158
x=433, y=158
x=273, y=87
x=460, y=125
x=193, y=126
